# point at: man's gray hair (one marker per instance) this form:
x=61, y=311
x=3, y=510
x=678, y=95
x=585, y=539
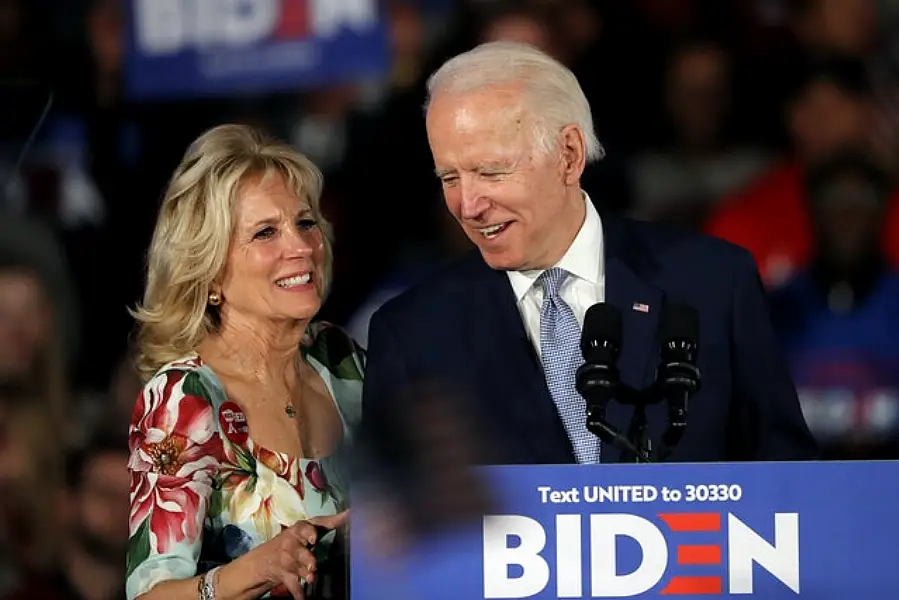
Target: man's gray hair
x=551, y=90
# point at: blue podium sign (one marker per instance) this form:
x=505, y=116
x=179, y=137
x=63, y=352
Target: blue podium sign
x=184, y=48
x=766, y=530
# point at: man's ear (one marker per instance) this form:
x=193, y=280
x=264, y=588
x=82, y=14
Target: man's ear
x=574, y=155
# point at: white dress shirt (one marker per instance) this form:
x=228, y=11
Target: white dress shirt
x=585, y=286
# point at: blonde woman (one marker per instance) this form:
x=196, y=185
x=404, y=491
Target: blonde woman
x=240, y=433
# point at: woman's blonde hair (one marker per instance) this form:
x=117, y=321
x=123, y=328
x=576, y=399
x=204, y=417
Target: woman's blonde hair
x=193, y=233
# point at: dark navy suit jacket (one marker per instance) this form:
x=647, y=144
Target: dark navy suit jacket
x=462, y=329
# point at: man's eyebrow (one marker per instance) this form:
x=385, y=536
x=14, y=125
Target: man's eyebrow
x=498, y=165
x=495, y=165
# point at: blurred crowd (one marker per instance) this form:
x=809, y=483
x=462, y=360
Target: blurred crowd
x=771, y=123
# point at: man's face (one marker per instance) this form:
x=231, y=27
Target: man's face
x=514, y=202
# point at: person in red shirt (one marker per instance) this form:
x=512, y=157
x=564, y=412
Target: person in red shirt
x=831, y=111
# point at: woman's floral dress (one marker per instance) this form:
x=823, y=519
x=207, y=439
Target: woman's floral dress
x=202, y=493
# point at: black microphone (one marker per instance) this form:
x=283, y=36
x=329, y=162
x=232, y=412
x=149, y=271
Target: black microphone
x=598, y=380
x=678, y=377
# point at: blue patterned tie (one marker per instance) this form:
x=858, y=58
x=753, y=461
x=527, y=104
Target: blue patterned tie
x=560, y=338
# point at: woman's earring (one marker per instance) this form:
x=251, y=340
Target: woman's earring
x=215, y=298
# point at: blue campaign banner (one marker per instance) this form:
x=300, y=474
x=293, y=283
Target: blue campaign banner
x=765, y=530
x=195, y=48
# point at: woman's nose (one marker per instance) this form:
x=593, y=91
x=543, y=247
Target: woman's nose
x=299, y=243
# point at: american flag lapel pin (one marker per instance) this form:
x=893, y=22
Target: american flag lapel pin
x=640, y=307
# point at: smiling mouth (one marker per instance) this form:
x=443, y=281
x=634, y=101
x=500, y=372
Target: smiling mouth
x=494, y=230
x=294, y=281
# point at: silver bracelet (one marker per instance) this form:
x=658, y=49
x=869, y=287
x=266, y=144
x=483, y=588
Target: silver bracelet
x=206, y=588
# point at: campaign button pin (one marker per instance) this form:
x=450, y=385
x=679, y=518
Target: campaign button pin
x=234, y=423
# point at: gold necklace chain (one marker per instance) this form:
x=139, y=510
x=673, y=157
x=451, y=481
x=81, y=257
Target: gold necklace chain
x=289, y=407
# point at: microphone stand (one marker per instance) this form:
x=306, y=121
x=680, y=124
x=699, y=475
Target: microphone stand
x=637, y=445
x=599, y=384
x=606, y=432
x=638, y=432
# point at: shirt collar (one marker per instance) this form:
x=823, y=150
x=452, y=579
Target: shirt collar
x=583, y=259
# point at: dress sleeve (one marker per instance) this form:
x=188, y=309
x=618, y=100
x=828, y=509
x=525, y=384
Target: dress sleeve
x=175, y=454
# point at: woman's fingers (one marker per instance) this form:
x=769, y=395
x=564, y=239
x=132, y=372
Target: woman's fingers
x=291, y=581
x=295, y=559
x=297, y=563
x=306, y=565
x=304, y=532
x=333, y=521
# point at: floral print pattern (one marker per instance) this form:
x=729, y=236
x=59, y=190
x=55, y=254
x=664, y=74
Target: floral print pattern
x=201, y=496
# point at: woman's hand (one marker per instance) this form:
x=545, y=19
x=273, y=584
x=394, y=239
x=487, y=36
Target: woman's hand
x=286, y=560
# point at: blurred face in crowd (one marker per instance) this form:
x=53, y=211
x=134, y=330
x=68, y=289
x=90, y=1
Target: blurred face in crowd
x=521, y=207
x=516, y=27
x=275, y=261
x=848, y=212
x=581, y=24
x=697, y=94
x=25, y=322
x=101, y=520
x=406, y=30
x=841, y=25
x=106, y=31
x=825, y=119
x=669, y=16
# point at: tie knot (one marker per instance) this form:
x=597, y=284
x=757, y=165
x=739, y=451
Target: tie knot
x=552, y=281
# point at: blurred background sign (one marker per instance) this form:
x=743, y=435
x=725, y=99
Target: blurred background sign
x=192, y=48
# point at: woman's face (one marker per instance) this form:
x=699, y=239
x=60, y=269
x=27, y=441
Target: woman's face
x=275, y=263
x=25, y=322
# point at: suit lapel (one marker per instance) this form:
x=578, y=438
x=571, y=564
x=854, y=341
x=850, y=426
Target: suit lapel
x=628, y=288
x=504, y=354
x=507, y=360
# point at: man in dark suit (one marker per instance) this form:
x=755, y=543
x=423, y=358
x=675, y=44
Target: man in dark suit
x=510, y=132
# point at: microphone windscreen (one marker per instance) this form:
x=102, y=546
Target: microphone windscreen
x=602, y=327
x=679, y=322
